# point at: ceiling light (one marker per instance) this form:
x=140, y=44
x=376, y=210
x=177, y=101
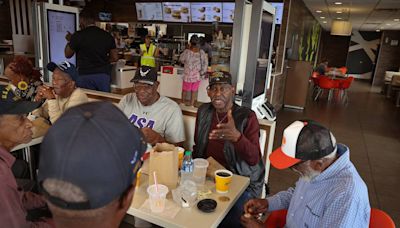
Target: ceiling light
x=341, y=28
x=377, y=30
x=338, y=11
x=339, y=18
x=318, y=11
x=396, y=19
x=324, y=22
x=338, y=3
x=322, y=17
x=388, y=24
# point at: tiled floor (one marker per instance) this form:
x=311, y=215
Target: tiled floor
x=370, y=125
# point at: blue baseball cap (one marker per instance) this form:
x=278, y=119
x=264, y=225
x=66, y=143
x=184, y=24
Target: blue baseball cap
x=94, y=147
x=65, y=67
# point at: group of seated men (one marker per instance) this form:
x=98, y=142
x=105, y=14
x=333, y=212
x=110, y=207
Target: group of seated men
x=91, y=153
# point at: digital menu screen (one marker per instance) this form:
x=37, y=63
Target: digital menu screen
x=278, y=12
x=206, y=12
x=176, y=11
x=149, y=11
x=228, y=10
x=59, y=24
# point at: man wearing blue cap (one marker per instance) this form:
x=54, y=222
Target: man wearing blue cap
x=63, y=95
x=15, y=204
x=88, y=177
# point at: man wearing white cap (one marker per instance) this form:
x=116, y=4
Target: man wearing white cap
x=329, y=193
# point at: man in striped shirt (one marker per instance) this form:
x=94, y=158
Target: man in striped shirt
x=329, y=193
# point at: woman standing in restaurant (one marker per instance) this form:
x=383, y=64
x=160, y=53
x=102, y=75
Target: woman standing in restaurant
x=195, y=67
x=23, y=78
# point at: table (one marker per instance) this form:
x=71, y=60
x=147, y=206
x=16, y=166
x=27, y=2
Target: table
x=26, y=152
x=189, y=217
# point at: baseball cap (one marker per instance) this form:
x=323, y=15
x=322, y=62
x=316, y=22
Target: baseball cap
x=145, y=74
x=303, y=141
x=65, y=67
x=94, y=147
x=221, y=77
x=15, y=107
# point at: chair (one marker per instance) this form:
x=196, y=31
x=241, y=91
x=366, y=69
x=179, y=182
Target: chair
x=344, y=84
x=343, y=70
x=378, y=219
x=325, y=83
x=314, y=78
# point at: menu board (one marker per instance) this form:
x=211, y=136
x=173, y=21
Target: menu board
x=228, y=10
x=278, y=12
x=176, y=11
x=149, y=11
x=206, y=12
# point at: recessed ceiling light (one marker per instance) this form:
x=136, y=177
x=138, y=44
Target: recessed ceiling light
x=324, y=22
x=338, y=11
x=388, y=24
x=338, y=3
x=322, y=17
x=339, y=18
x=318, y=11
x=377, y=30
x=396, y=19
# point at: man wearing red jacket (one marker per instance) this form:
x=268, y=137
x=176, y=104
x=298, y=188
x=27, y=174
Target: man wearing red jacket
x=230, y=134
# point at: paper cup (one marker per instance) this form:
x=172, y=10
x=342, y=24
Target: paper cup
x=157, y=198
x=180, y=156
x=223, y=179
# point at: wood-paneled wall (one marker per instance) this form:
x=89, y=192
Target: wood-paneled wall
x=5, y=21
x=334, y=49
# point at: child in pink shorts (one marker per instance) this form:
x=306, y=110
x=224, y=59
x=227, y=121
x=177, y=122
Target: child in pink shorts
x=195, y=63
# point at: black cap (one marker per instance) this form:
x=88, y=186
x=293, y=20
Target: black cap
x=219, y=77
x=94, y=147
x=14, y=107
x=145, y=74
x=65, y=67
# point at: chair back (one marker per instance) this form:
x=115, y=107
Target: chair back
x=345, y=84
x=379, y=219
x=327, y=83
x=277, y=219
x=315, y=74
x=395, y=80
x=343, y=70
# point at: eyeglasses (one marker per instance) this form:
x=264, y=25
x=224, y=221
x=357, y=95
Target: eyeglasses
x=142, y=86
x=221, y=88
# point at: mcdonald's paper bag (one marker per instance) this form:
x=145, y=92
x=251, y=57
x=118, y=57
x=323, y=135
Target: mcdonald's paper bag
x=164, y=161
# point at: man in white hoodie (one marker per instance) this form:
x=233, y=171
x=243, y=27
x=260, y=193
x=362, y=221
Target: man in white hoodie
x=63, y=95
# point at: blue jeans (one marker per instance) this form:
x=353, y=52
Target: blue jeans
x=99, y=82
x=232, y=219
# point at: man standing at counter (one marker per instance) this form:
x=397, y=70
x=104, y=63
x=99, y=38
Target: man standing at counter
x=95, y=49
x=230, y=134
x=329, y=193
x=148, y=52
x=159, y=118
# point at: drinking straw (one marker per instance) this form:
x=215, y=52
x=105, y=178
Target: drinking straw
x=155, y=180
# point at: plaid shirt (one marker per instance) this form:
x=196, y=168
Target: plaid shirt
x=338, y=197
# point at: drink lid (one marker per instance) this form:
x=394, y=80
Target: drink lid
x=207, y=205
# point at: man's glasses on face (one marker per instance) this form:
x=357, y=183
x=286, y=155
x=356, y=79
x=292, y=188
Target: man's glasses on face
x=222, y=88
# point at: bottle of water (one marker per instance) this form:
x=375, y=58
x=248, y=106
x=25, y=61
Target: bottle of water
x=187, y=167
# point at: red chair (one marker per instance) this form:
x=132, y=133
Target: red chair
x=325, y=83
x=277, y=219
x=378, y=219
x=343, y=86
x=343, y=70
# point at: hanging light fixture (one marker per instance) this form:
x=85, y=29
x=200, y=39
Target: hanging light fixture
x=341, y=28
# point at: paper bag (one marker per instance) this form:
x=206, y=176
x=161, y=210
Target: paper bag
x=164, y=161
x=213, y=166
